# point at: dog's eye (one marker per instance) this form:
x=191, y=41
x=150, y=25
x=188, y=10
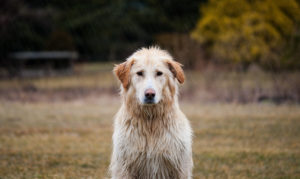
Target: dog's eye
x=139, y=73
x=159, y=73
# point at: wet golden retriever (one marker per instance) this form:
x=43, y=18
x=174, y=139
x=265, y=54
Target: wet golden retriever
x=152, y=137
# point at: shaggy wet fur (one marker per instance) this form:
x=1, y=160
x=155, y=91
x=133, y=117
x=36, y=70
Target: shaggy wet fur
x=151, y=141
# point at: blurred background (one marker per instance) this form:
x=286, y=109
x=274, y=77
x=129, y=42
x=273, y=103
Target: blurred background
x=58, y=94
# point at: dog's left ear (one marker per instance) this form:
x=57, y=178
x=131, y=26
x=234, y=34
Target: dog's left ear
x=176, y=69
x=122, y=71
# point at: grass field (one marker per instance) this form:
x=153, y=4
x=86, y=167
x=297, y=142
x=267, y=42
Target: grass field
x=71, y=138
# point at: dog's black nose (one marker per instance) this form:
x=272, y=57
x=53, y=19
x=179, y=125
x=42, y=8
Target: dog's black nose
x=150, y=94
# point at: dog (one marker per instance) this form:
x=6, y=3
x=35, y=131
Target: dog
x=152, y=137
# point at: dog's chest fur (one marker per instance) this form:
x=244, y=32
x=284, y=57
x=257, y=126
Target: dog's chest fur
x=155, y=148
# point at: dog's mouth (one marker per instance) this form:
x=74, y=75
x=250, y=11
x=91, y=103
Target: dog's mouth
x=149, y=102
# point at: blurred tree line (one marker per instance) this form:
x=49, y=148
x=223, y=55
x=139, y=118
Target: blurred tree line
x=98, y=29
x=197, y=32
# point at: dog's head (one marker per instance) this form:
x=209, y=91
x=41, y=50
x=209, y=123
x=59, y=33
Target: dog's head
x=151, y=75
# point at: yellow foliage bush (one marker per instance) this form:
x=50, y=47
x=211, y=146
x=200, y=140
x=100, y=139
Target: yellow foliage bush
x=248, y=31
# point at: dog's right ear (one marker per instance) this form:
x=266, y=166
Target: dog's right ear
x=122, y=71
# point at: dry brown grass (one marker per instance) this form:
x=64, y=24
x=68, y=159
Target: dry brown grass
x=245, y=141
x=207, y=86
x=71, y=137
x=56, y=140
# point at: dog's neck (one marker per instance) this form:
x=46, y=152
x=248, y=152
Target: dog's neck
x=147, y=119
